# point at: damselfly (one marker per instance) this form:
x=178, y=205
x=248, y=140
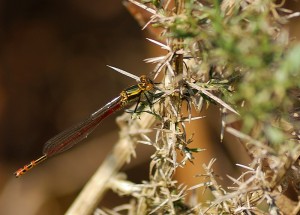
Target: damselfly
x=68, y=138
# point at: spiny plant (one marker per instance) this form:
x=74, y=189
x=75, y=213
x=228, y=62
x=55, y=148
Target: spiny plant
x=230, y=53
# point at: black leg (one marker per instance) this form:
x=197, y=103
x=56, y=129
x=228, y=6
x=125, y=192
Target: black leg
x=137, y=104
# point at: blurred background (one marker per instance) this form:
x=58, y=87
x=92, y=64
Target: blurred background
x=52, y=75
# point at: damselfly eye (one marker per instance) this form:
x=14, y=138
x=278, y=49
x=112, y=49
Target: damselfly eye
x=144, y=79
x=149, y=87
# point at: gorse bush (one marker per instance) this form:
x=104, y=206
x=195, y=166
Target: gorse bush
x=234, y=54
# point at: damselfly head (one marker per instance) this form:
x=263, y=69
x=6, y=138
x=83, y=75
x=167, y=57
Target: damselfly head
x=146, y=83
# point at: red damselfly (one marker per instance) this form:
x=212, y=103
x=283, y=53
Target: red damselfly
x=68, y=138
